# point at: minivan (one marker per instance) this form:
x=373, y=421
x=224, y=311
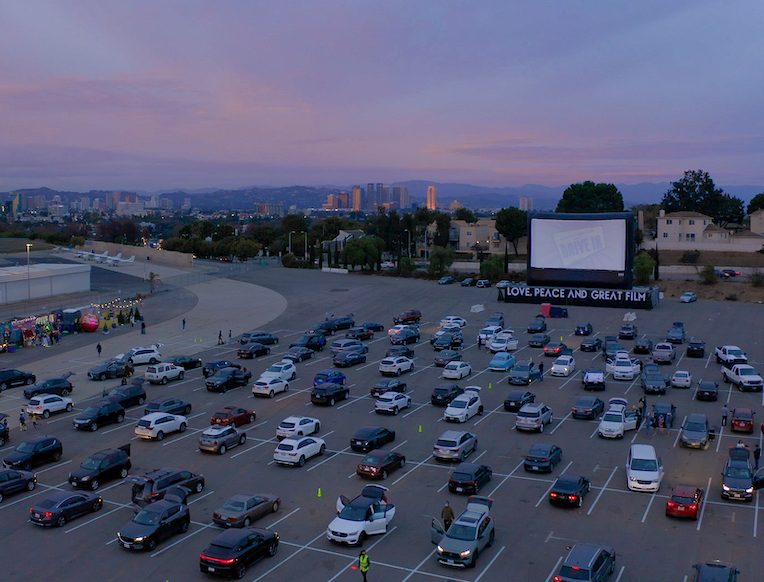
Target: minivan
x=644, y=469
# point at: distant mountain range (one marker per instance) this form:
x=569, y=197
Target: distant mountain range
x=474, y=197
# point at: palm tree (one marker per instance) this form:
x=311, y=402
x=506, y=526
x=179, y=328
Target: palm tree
x=153, y=280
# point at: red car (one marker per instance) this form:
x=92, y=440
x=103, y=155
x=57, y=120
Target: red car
x=742, y=420
x=378, y=463
x=233, y=415
x=685, y=501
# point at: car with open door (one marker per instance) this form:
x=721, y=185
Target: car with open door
x=368, y=514
x=469, y=535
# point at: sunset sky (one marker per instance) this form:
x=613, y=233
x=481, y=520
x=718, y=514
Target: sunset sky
x=167, y=95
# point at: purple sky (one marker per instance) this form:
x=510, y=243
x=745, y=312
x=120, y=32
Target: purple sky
x=163, y=95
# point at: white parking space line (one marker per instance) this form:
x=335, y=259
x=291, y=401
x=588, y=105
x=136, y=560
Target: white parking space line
x=591, y=436
x=417, y=408
x=33, y=494
x=329, y=458
x=486, y=415
x=414, y=571
x=353, y=401
x=271, y=440
x=495, y=489
x=557, y=565
x=679, y=432
x=568, y=380
x=83, y=524
x=293, y=393
x=353, y=558
x=647, y=509
x=399, y=445
x=119, y=427
x=190, y=432
x=719, y=438
x=175, y=543
x=54, y=467
x=501, y=549
x=559, y=424
x=407, y=473
x=705, y=502
x=620, y=573
x=416, y=371
x=602, y=490
x=195, y=499
x=285, y=560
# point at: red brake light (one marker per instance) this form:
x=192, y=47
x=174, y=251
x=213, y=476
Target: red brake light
x=693, y=506
x=553, y=494
x=575, y=568
x=557, y=579
x=573, y=497
x=217, y=560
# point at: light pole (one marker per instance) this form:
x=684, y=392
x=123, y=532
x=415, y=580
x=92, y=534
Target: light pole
x=290, y=239
x=29, y=281
x=305, y=236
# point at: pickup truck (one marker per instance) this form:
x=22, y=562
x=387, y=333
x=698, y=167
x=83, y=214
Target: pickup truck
x=663, y=352
x=730, y=355
x=743, y=376
x=618, y=418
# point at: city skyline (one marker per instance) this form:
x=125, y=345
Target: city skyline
x=149, y=97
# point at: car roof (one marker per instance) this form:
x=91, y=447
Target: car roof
x=643, y=451
x=452, y=434
x=685, y=490
x=156, y=415
x=532, y=406
x=581, y=555
x=216, y=429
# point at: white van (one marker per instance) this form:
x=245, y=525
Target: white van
x=644, y=469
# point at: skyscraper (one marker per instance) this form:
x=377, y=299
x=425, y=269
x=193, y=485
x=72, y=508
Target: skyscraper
x=357, y=198
x=401, y=196
x=370, y=197
x=380, y=195
x=432, y=198
x=526, y=204
x=342, y=200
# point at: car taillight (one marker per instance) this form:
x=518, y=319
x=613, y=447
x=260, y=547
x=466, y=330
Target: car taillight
x=217, y=560
x=155, y=494
x=557, y=579
x=693, y=506
x=553, y=494
x=150, y=427
x=671, y=504
x=545, y=460
x=573, y=497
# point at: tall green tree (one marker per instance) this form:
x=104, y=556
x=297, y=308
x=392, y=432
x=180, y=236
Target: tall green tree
x=696, y=192
x=756, y=203
x=466, y=215
x=591, y=197
x=512, y=224
x=441, y=259
x=293, y=223
x=442, y=229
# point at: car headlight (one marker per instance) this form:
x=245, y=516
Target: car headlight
x=725, y=487
x=440, y=549
x=749, y=490
x=86, y=478
x=465, y=553
x=140, y=539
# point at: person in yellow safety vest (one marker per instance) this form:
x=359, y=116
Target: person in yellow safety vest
x=363, y=563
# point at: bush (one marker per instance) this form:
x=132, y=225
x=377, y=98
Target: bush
x=756, y=277
x=492, y=268
x=732, y=297
x=644, y=265
x=690, y=257
x=708, y=275
x=290, y=261
x=406, y=267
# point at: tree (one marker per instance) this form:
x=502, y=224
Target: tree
x=441, y=258
x=708, y=275
x=492, y=268
x=644, y=265
x=466, y=215
x=293, y=223
x=512, y=224
x=353, y=254
x=696, y=192
x=406, y=267
x=442, y=229
x=153, y=280
x=591, y=197
x=756, y=203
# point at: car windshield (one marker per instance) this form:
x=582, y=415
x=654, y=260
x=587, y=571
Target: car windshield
x=747, y=372
x=612, y=417
x=695, y=427
x=147, y=518
x=735, y=352
x=445, y=443
x=644, y=465
x=650, y=377
x=352, y=513
x=462, y=532
x=565, y=486
x=25, y=448
x=459, y=404
x=738, y=473
x=90, y=463
x=574, y=573
x=234, y=505
x=372, y=459
x=522, y=368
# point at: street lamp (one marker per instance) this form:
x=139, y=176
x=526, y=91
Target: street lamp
x=305, y=236
x=29, y=282
x=290, y=240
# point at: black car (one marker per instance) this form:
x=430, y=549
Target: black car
x=96, y=415
x=610, y=347
x=329, y=393
x=542, y=457
x=654, y=382
x=100, y=467
x=539, y=340
x=253, y=350
x=584, y=329
x=643, y=346
x=469, y=478
x=359, y=333
x=169, y=405
x=591, y=344
x=345, y=322
x=262, y=337
x=232, y=551
x=588, y=407
x=715, y=572
x=627, y=331
x=537, y=325
x=185, y=362
x=326, y=327
x=60, y=386
x=469, y=282
x=516, y=399
x=14, y=481
x=5, y=432
x=227, y=378
x=211, y=367
x=372, y=325
x=347, y=359
x=129, y=395
x=114, y=368
x=404, y=351
x=448, y=341
x=310, y=341
x=388, y=385
x=298, y=354
x=371, y=437
x=696, y=349
x=10, y=378
x=153, y=486
x=446, y=356
x=63, y=506
x=569, y=490
x=36, y=451
x=405, y=336
x=707, y=390
x=445, y=393
x=154, y=523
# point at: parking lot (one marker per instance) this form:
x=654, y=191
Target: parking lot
x=531, y=535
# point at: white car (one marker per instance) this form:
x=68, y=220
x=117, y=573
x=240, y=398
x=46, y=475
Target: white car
x=688, y=298
x=623, y=367
x=156, y=425
x=453, y=320
x=286, y=370
x=293, y=426
x=396, y=365
x=400, y=327
x=563, y=366
x=464, y=406
x=163, y=373
x=504, y=341
x=617, y=419
x=681, y=379
x=143, y=355
x=392, y=402
x=46, y=404
x=487, y=333
x=644, y=469
x=366, y=515
x=269, y=386
x=297, y=451
x=502, y=284
x=457, y=370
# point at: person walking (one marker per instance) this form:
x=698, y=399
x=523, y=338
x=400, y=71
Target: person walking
x=480, y=341
x=98, y=349
x=757, y=456
x=725, y=413
x=363, y=563
x=143, y=327
x=447, y=515
x=662, y=424
x=220, y=337
x=541, y=372
x=22, y=420
x=642, y=407
x=229, y=336
x=34, y=420
x=184, y=324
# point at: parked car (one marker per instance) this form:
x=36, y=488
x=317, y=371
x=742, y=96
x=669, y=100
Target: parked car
x=533, y=416
x=285, y=369
x=537, y=325
x=311, y=342
x=269, y=386
x=395, y=351
x=348, y=345
x=155, y=523
x=681, y=379
x=218, y=439
x=569, y=490
x=502, y=362
x=344, y=321
x=329, y=393
x=392, y=402
x=59, y=386
x=642, y=346
x=143, y=355
x=46, y=404
x=584, y=329
x=34, y=452
x=359, y=333
x=457, y=370
x=468, y=478
x=185, y=362
x=212, y=367
x=464, y=406
x=713, y=571
x=453, y=320
x=516, y=399
x=298, y=450
x=234, y=550
x=675, y=335
x=96, y=415
x=688, y=297
x=233, y=415
x=155, y=425
x=448, y=341
x=368, y=514
x=696, y=432
x=707, y=390
x=405, y=336
x=154, y=485
x=454, y=445
x=588, y=407
x=348, y=359
x=591, y=344
x=524, y=372
x=378, y=463
x=469, y=282
x=252, y=350
x=262, y=337
x=298, y=354
x=644, y=469
x=742, y=420
x=373, y=326
x=395, y=365
x=563, y=366
x=587, y=563
x=445, y=356
x=387, y=385
x=101, y=467
x=685, y=501
x=228, y=378
x=297, y=426
x=483, y=283
x=627, y=331
x=542, y=457
x=470, y=534
x=555, y=349
x=444, y=393
x=244, y=508
x=61, y=507
x=696, y=349
x=410, y=316
x=113, y=368
x=618, y=418
x=368, y=438
x=15, y=481
x=129, y=395
x=447, y=280
x=738, y=479
x=593, y=379
x=665, y=410
x=163, y=373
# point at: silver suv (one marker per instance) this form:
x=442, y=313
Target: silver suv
x=588, y=563
x=144, y=355
x=533, y=416
x=454, y=445
x=348, y=345
x=471, y=533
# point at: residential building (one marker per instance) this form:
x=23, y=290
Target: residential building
x=432, y=198
x=685, y=226
x=339, y=241
x=464, y=237
x=687, y=230
x=526, y=204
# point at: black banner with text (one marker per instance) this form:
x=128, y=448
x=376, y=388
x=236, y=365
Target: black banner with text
x=638, y=298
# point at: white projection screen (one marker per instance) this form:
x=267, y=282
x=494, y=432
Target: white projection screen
x=585, y=250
